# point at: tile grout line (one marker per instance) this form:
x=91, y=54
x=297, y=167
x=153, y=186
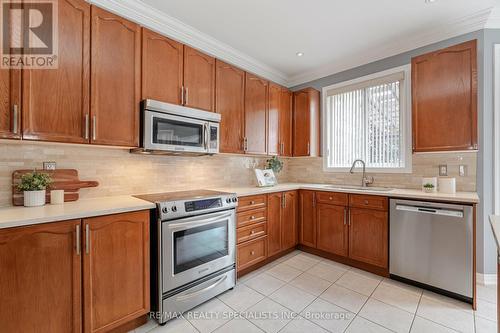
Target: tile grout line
x=416, y=310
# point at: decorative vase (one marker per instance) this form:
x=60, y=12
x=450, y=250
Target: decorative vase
x=428, y=189
x=34, y=198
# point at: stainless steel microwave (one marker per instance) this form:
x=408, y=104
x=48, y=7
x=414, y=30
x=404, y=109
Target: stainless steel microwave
x=173, y=129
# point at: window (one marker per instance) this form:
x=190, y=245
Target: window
x=369, y=119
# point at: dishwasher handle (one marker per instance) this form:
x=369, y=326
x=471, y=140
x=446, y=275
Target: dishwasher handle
x=431, y=210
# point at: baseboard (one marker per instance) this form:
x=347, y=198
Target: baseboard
x=486, y=279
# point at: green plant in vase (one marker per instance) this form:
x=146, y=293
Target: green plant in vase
x=33, y=185
x=274, y=164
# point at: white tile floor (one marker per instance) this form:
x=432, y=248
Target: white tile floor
x=305, y=293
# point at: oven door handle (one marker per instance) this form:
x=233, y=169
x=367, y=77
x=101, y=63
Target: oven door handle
x=202, y=291
x=195, y=222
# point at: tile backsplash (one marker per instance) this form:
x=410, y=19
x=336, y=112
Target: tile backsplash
x=119, y=172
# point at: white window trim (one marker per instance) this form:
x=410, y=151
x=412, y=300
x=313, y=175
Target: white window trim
x=405, y=101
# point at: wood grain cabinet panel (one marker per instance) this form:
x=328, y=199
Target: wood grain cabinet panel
x=274, y=222
x=162, y=68
x=368, y=201
x=10, y=104
x=56, y=101
x=307, y=218
x=230, y=103
x=444, y=98
x=251, y=202
x=251, y=253
x=332, y=198
x=256, y=94
x=199, y=79
x=115, y=270
x=250, y=232
x=332, y=229
x=368, y=236
x=40, y=280
x=273, y=117
x=115, y=79
x=289, y=238
x=285, y=123
x=306, y=132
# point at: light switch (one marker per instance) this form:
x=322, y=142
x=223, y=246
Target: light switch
x=462, y=170
x=443, y=170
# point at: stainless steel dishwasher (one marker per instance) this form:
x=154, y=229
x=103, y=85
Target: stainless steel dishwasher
x=431, y=246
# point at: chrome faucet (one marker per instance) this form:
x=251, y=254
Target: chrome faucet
x=365, y=181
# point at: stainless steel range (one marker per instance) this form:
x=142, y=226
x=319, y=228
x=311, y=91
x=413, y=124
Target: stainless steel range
x=193, y=254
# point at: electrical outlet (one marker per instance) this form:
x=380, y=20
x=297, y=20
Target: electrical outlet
x=443, y=170
x=49, y=165
x=462, y=170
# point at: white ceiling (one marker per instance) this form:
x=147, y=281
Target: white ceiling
x=333, y=35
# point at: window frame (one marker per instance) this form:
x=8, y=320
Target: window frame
x=405, y=119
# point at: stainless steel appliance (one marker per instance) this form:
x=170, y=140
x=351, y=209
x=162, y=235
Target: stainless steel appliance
x=193, y=249
x=173, y=129
x=432, y=244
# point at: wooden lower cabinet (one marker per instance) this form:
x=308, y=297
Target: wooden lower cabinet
x=251, y=253
x=332, y=229
x=368, y=236
x=307, y=218
x=115, y=270
x=40, y=278
x=275, y=223
x=289, y=233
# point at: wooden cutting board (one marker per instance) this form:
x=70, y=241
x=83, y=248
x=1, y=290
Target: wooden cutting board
x=62, y=179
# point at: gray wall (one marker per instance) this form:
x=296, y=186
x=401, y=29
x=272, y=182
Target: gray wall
x=486, y=249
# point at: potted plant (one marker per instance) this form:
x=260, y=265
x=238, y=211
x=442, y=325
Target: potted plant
x=275, y=164
x=428, y=187
x=33, y=185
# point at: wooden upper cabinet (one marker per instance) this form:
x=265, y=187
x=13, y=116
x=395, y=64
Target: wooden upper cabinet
x=273, y=118
x=10, y=104
x=307, y=218
x=285, y=123
x=256, y=94
x=199, y=80
x=162, y=68
x=40, y=280
x=332, y=229
x=56, y=101
x=115, y=79
x=289, y=222
x=230, y=103
x=306, y=132
x=274, y=223
x=115, y=270
x=368, y=236
x=444, y=98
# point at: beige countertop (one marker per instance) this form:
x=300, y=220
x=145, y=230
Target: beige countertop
x=495, y=226
x=462, y=197
x=20, y=216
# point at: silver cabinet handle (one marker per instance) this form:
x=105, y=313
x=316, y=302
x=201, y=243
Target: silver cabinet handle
x=94, y=124
x=87, y=125
x=245, y=144
x=78, y=238
x=282, y=148
x=345, y=216
x=349, y=218
x=314, y=199
x=186, y=96
x=15, y=119
x=87, y=239
x=308, y=148
x=182, y=95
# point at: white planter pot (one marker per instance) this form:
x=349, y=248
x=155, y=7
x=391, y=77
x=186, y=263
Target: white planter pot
x=34, y=198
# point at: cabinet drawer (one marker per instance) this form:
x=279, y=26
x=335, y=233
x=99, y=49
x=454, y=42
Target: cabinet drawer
x=251, y=217
x=368, y=201
x=333, y=198
x=251, y=232
x=252, y=252
x=252, y=202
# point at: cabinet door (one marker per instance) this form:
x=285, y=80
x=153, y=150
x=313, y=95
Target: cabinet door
x=285, y=123
x=40, y=280
x=199, y=80
x=10, y=99
x=289, y=220
x=56, y=101
x=115, y=270
x=274, y=223
x=115, y=80
x=444, y=98
x=307, y=218
x=256, y=93
x=274, y=100
x=230, y=103
x=301, y=124
x=162, y=68
x=332, y=230
x=368, y=236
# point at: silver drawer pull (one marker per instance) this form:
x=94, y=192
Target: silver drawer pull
x=252, y=202
x=252, y=232
x=252, y=253
x=252, y=217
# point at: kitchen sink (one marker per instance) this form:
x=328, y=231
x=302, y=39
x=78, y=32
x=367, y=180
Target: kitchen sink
x=359, y=188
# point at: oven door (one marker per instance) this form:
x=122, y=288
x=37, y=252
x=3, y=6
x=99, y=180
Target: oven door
x=174, y=133
x=197, y=246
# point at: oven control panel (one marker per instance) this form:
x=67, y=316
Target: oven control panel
x=176, y=209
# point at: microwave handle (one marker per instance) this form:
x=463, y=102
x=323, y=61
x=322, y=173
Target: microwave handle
x=206, y=134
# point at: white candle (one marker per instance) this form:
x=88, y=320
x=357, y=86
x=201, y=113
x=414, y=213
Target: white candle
x=56, y=197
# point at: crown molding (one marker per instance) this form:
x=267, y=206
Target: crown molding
x=494, y=19
x=449, y=29
x=160, y=22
